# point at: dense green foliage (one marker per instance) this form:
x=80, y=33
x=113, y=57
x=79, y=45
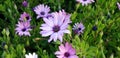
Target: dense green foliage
x=101, y=43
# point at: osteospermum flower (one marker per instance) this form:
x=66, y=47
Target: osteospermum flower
x=78, y=28
x=34, y=55
x=55, y=27
x=23, y=28
x=25, y=17
x=25, y=3
x=66, y=51
x=94, y=28
x=3, y=45
x=118, y=4
x=85, y=2
x=41, y=10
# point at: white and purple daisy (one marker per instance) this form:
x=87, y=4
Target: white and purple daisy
x=85, y=2
x=78, y=28
x=42, y=10
x=66, y=51
x=118, y=4
x=25, y=17
x=23, y=28
x=55, y=26
x=34, y=55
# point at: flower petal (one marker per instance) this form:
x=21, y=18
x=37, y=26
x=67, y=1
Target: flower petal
x=60, y=35
x=46, y=28
x=48, y=22
x=58, y=53
x=51, y=38
x=46, y=33
x=62, y=48
x=55, y=36
x=73, y=56
x=66, y=31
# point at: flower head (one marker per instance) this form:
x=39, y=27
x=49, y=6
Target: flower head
x=42, y=10
x=94, y=28
x=34, y=55
x=66, y=51
x=55, y=26
x=85, y=2
x=3, y=45
x=25, y=3
x=25, y=17
x=118, y=4
x=78, y=28
x=23, y=28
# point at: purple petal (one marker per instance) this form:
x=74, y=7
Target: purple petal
x=46, y=28
x=48, y=22
x=73, y=56
x=55, y=36
x=66, y=31
x=62, y=48
x=60, y=37
x=46, y=33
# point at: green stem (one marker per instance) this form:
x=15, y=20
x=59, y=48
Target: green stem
x=59, y=5
x=75, y=12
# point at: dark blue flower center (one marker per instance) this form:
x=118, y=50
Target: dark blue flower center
x=84, y=0
x=3, y=44
x=56, y=28
x=42, y=13
x=67, y=54
x=27, y=17
x=79, y=29
x=24, y=29
x=94, y=28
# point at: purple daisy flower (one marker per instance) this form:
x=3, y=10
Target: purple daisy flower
x=42, y=10
x=85, y=2
x=23, y=28
x=25, y=17
x=25, y=3
x=78, y=28
x=66, y=51
x=118, y=4
x=55, y=26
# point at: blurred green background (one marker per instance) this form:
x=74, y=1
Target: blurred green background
x=101, y=43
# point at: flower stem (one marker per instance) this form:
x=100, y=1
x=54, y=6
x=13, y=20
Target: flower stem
x=75, y=12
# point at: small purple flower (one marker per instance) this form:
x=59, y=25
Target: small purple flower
x=55, y=26
x=3, y=44
x=94, y=28
x=42, y=10
x=85, y=2
x=66, y=51
x=25, y=17
x=78, y=28
x=25, y=3
x=118, y=4
x=23, y=28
